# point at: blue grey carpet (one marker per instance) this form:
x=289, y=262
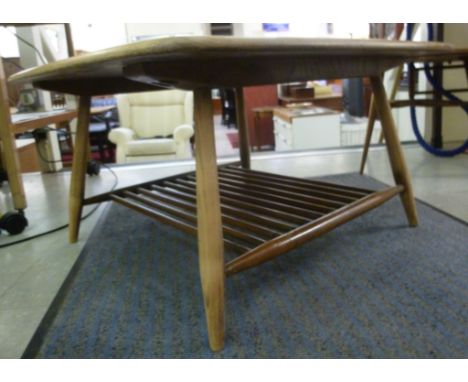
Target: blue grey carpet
x=372, y=288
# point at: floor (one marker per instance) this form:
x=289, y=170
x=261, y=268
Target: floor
x=32, y=272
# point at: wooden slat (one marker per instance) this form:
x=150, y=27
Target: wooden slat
x=107, y=195
x=272, y=194
x=229, y=219
x=313, y=200
x=236, y=208
x=300, y=235
x=342, y=190
x=166, y=219
x=228, y=173
x=259, y=200
x=254, y=206
x=175, y=211
x=289, y=217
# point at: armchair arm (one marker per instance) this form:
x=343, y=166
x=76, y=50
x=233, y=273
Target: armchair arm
x=121, y=135
x=183, y=133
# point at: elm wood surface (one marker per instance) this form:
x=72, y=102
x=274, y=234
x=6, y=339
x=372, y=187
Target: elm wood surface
x=395, y=152
x=217, y=62
x=200, y=63
x=80, y=156
x=255, y=248
x=243, y=231
x=209, y=223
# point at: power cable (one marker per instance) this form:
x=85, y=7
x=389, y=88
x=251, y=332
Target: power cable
x=116, y=182
x=44, y=61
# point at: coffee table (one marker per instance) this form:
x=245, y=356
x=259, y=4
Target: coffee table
x=258, y=214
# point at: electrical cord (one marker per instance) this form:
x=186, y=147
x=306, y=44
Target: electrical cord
x=10, y=60
x=116, y=182
x=44, y=61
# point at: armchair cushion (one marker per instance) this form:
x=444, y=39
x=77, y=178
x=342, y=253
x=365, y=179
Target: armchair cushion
x=151, y=147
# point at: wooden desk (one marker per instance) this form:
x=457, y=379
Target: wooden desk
x=8, y=155
x=27, y=155
x=258, y=214
x=16, y=124
x=22, y=122
x=330, y=101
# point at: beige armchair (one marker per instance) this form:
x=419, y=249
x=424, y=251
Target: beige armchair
x=154, y=126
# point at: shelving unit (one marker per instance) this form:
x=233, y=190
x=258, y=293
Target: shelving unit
x=263, y=214
x=9, y=159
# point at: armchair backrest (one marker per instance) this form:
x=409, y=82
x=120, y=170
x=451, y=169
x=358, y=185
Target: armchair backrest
x=155, y=113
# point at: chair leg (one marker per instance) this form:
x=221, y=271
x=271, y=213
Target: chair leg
x=210, y=235
x=244, y=146
x=80, y=159
x=10, y=156
x=395, y=152
x=370, y=130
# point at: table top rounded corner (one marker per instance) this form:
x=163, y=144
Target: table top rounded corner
x=172, y=62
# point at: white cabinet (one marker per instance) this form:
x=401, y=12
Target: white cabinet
x=302, y=129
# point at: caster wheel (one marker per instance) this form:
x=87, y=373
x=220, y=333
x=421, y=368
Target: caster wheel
x=93, y=168
x=13, y=222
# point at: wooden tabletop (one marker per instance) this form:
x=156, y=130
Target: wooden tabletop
x=457, y=54
x=29, y=121
x=209, y=62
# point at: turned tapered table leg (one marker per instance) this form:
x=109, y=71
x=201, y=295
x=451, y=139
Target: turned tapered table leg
x=9, y=153
x=369, y=131
x=373, y=115
x=80, y=156
x=210, y=234
x=395, y=152
x=244, y=147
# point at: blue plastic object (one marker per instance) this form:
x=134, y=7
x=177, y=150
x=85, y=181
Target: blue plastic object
x=437, y=86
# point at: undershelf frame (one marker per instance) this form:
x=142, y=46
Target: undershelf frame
x=264, y=215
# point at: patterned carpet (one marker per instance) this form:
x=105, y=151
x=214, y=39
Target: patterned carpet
x=373, y=288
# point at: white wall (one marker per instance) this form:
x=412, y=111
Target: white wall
x=90, y=37
x=8, y=43
x=455, y=120
x=146, y=30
